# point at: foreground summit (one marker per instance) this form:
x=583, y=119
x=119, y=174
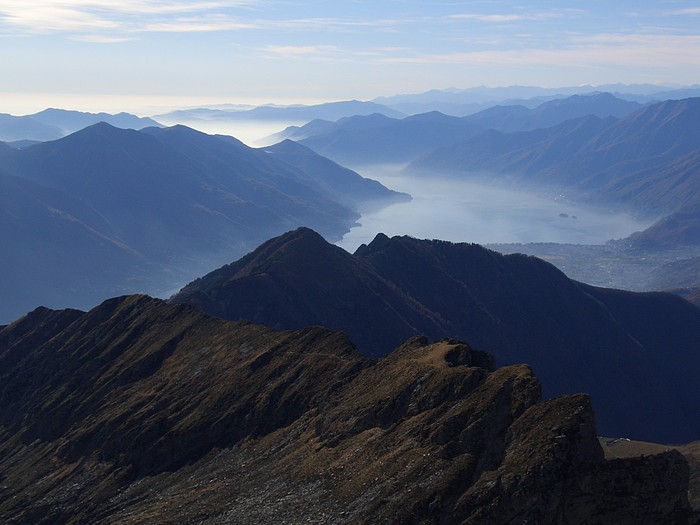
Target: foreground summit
x=142, y=412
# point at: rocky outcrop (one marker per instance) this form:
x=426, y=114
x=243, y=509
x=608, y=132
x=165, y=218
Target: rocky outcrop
x=143, y=412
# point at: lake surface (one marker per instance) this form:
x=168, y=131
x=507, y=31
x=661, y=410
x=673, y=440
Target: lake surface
x=461, y=211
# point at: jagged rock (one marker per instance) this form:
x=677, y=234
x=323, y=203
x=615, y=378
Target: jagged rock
x=143, y=412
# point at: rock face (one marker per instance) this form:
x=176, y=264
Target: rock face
x=143, y=412
x=635, y=354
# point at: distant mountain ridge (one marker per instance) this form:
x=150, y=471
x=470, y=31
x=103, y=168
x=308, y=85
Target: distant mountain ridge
x=377, y=139
x=462, y=102
x=633, y=161
x=71, y=121
x=14, y=129
x=521, y=309
x=52, y=124
x=329, y=111
x=168, y=204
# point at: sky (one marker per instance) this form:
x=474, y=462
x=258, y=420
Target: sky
x=146, y=56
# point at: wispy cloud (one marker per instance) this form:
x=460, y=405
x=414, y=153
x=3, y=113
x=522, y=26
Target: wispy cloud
x=90, y=16
x=100, y=39
x=110, y=21
x=500, y=18
x=624, y=50
x=198, y=25
x=488, y=18
x=687, y=11
x=303, y=52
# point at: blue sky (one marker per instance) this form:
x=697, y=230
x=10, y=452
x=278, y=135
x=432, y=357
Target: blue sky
x=138, y=54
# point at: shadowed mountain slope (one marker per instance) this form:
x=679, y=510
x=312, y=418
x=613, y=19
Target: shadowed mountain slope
x=182, y=200
x=57, y=249
x=339, y=183
x=518, y=308
x=143, y=412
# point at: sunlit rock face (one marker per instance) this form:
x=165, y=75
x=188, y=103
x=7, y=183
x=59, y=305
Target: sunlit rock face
x=143, y=412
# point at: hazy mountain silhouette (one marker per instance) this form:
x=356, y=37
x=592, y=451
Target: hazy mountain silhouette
x=327, y=111
x=519, y=118
x=142, y=412
x=376, y=139
x=638, y=160
x=369, y=140
x=639, y=372
x=52, y=124
x=341, y=184
x=14, y=128
x=296, y=133
x=71, y=121
x=680, y=228
x=181, y=199
x=462, y=102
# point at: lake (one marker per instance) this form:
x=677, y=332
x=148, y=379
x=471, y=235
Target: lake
x=461, y=211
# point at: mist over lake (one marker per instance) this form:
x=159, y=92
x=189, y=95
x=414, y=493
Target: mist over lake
x=253, y=133
x=463, y=211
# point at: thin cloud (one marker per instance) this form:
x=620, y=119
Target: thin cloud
x=88, y=16
x=99, y=39
x=517, y=17
x=198, y=25
x=340, y=24
x=107, y=21
x=687, y=11
x=489, y=18
x=302, y=52
x=606, y=49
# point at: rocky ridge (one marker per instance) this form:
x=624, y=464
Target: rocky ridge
x=635, y=354
x=140, y=412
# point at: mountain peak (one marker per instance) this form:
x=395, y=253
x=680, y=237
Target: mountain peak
x=517, y=308
x=379, y=241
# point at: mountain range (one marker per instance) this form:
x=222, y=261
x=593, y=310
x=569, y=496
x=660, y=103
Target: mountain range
x=462, y=102
x=635, y=354
x=300, y=113
x=362, y=140
x=143, y=412
x=643, y=161
x=125, y=210
x=51, y=124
